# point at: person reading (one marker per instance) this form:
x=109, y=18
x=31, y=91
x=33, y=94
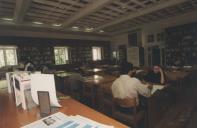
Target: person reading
x=127, y=86
x=155, y=76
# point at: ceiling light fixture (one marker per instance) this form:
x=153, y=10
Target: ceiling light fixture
x=56, y=25
x=101, y=31
x=123, y=7
x=7, y=19
x=37, y=22
x=75, y=27
x=89, y=29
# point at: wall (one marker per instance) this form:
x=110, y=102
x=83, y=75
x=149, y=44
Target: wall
x=160, y=26
x=119, y=40
x=146, y=31
x=154, y=28
x=34, y=47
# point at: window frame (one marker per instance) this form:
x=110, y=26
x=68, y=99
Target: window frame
x=99, y=51
x=4, y=49
x=66, y=53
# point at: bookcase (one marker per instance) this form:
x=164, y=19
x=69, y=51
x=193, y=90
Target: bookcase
x=80, y=54
x=39, y=55
x=181, y=43
x=41, y=50
x=122, y=49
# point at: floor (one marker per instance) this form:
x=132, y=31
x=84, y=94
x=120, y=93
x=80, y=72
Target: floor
x=184, y=113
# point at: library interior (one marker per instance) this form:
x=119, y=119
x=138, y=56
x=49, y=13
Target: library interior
x=98, y=63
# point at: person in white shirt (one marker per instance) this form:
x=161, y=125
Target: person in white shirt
x=127, y=86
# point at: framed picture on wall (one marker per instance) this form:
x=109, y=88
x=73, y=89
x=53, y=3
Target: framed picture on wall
x=160, y=36
x=151, y=38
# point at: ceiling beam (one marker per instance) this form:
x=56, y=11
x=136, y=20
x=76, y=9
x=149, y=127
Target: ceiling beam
x=90, y=8
x=156, y=7
x=20, y=10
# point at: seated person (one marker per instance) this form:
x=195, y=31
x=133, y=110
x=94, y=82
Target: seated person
x=30, y=67
x=47, y=70
x=156, y=76
x=127, y=86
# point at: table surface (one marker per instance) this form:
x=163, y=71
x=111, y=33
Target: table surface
x=94, y=70
x=64, y=74
x=12, y=117
x=176, y=75
x=99, y=79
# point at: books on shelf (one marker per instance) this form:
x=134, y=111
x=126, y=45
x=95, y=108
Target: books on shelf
x=60, y=120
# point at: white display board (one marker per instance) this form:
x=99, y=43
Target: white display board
x=44, y=82
x=133, y=56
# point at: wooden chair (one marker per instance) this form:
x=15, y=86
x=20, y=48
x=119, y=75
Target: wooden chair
x=132, y=118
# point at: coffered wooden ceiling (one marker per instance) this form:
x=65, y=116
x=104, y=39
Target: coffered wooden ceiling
x=94, y=16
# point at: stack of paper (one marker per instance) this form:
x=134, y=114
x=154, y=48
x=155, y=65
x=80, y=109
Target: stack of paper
x=60, y=120
x=156, y=87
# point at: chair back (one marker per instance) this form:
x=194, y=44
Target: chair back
x=131, y=119
x=126, y=102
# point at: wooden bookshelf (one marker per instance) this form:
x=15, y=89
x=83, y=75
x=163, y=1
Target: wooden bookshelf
x=80, y=54
x=37, y=54
x=181, y=42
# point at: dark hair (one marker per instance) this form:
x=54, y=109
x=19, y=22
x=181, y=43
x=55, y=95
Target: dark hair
x=126, y=67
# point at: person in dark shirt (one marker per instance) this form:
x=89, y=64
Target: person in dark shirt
x=156, y=76
x=30, y=67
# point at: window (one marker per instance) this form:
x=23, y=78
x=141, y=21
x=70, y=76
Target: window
x=96, y=53
x=61, y=55
x=115, y=55
x=8, y=56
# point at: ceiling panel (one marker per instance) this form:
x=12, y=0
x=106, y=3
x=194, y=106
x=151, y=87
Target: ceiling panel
x=54, y=10
x=111, y=16
x=117, y=9
x=7, y=8
x=185, y=7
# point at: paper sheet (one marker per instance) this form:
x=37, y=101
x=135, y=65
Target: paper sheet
x=60, y=120
x=156, y=87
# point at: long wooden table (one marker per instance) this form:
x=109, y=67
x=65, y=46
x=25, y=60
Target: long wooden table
x=12, y=117
x=99, y=79
x=95, y=83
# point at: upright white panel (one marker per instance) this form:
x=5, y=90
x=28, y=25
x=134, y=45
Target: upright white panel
x=133, y=56
x=44, y=82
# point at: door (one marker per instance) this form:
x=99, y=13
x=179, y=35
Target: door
x=156, y=58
